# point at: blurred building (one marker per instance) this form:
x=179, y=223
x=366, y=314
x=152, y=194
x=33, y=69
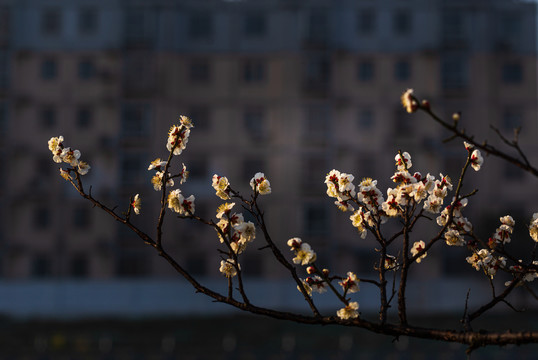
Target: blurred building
x=290, y=88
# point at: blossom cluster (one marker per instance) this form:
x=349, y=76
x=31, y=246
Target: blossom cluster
x=62, y=154
x=180, y=204
x=304, y=254
x=157, y=179
x=178, y=135
x=260, y=184
x=350, y=284
x=418, y=248
x=221, y=186
x=487, y=261
x=234, y=230
x=229, y=268
x=503, y=232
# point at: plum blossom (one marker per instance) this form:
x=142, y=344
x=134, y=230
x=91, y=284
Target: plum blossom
x=157, y=164
x=178, y=136
x=317, y=284
x=83, y=167
x=533, y=227
x=350, y=284
x=70, y=156
x=185, y=121
x=476, y=160
x=179, y=204
x=391, y=206
x=358, y=220
x=304, y=255
x=260, y=184
x=391, y=263
x=417, y=248
x=403, y=161
x=503, y=232
x=67, y=155
x=454, y=238
x=486, y=260
x=157, y=181
x=65, y=174
x=224, y=209
x=408, y=101
x=228, y=268
x=183, y=174
x=340, y=186
x=221, y=186
x=349, y=311
x=136, y=204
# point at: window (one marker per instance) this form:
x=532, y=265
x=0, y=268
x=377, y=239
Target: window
x=513, y=173
x=318, y=26
x=49, y=69
x=512, y=118
x=84, y=117
x=402, y=22
x=366, y=118
x=132, y=166
x=86, y=69
x=48, y=117
x=317, y=72
x=253, y=71
x=79, y=267
x=136, y=120
x=196, y=264
x=87, y=20
x=314, y=167
x=3, y=118
x=251, y=166
x=317, y=122
x=255, y=24
x=41, y=266
x=4, y=69
x=453, y=25
x=366, y=21
x=402, y=70
x=200, y=115
x=316, y=220
x=366, y=71
x=5, y=22
x=51, y=21
x=512, y=72
x=140, y=26
x=253, y=119
x=454, y=72
x=41, y=217
x=402, y=123
x=200, y=26
x=132, y=263
x=81, y=217
x=510, y=25
x=198, y=169
x=199, y=71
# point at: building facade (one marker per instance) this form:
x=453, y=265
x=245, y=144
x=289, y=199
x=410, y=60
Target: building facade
x=290, y=88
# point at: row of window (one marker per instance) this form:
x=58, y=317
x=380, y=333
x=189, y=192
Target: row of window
x=48, y=116
x=49, y=69
x=454, y=71
x=51, y=20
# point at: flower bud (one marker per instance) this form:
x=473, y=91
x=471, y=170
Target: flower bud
x=426, y=104
x=311, y=270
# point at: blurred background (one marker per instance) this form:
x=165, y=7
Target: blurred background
x=292, y=88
